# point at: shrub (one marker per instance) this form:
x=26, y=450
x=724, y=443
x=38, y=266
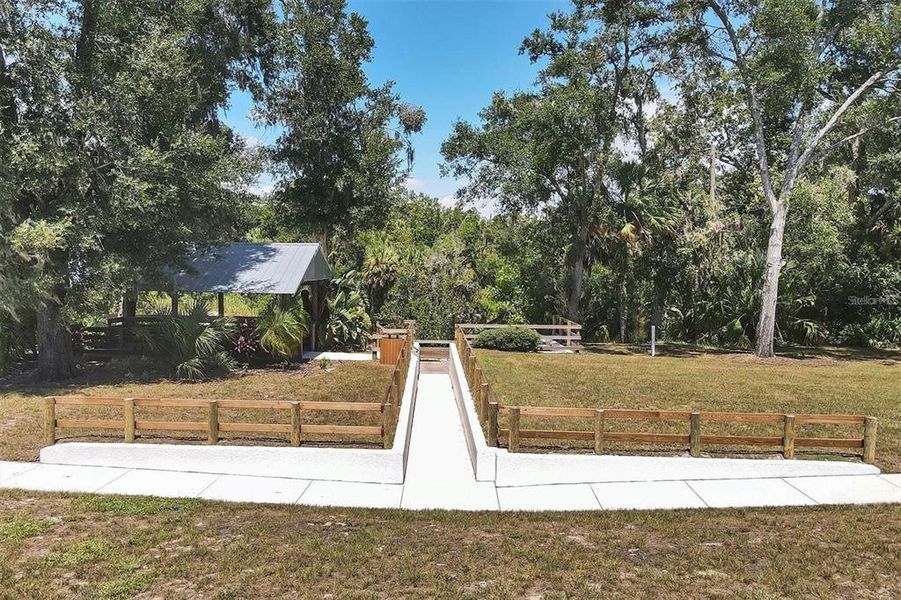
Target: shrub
x=194, y=345
x=281, y=329
x=511, y=339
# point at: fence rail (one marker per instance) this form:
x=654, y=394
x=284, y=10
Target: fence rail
x=131, y=425
x=561, y=334
x=490, y=411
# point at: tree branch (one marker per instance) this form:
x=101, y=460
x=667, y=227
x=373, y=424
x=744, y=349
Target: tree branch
x=834, y=119
x=754, y=104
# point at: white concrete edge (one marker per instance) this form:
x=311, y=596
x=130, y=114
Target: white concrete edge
x=327, y=464
x=483, y=457
x=338, y=356
x=525, y=469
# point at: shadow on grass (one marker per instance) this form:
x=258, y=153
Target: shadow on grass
x=680, y=350
x=113, y=372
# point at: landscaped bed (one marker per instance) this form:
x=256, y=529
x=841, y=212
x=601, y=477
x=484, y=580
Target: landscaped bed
x=54, y=545
x=21, y=403
x=683, y=378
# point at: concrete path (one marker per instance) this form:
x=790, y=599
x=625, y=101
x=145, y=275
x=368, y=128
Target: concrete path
x=439, y=472
x=440, y=476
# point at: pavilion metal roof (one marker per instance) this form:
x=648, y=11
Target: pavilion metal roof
x=253, y=268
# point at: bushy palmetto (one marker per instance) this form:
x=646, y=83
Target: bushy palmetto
x=282, y=328
x=193, y=344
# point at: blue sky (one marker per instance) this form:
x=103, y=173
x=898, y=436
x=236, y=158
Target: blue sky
x=447, y=57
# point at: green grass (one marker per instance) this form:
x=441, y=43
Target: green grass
x=215, y=550
x=809, y=381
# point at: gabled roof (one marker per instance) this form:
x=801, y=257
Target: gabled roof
x=254, y=269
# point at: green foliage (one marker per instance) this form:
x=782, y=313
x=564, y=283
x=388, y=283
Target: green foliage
x=282, y=329
x=85, y=552
x=113, y=157
x=344, y=136
x=128, y=586
x=510, y=339
x=22, y=527
x=193, y=344
x=143, y=506
x=349, y=324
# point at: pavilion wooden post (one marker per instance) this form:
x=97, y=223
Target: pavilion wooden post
x=129, y=312
x=220, y=301
x=175, y=304
x=314, y=313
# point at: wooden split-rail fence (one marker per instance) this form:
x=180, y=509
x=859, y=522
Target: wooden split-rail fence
x=694, y=440
x=214, y=425
x=560, y=335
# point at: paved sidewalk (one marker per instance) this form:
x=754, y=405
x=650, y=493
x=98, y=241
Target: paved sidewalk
x=440, y=476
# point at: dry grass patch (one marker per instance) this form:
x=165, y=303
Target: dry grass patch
x=826, y=381
x=99, y=546
x=21, y=417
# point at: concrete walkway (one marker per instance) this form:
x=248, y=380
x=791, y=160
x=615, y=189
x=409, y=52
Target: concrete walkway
x=440, y=476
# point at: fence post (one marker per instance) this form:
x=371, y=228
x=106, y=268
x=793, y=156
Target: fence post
x=598, y=431
x=694, y=434
x=788, y=436
x=295, y=424
x=392, y=399
x=213, y=426
x=492, y=424
x=477, y=386
x=869, y=439
x=386, y=425
x=484, y=399
x=130, y=420
x=49, y=421
x=513, y=442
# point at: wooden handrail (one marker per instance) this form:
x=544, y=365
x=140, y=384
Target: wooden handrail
x=130, y=424
x=489, y=411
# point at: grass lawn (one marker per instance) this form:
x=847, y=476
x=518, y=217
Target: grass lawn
x=114, y=547
x=21, y=416
x=682, y=378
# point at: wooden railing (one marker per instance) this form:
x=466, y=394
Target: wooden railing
x=213, y=426
x=562, y=334
x=693, y=440
x=296, y=429
x=395, y=391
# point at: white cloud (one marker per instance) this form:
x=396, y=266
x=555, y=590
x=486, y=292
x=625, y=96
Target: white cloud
x=252, y=141
x=414, y=184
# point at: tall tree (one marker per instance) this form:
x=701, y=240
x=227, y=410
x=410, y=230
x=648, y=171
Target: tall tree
x=113, y=156
x=340, y=154
x=800, y=66
x=551, y=149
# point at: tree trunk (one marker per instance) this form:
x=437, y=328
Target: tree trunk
x=623, y=313
x=576, y=264
x=766, y=326
x=56, y=355
x=323, y=241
